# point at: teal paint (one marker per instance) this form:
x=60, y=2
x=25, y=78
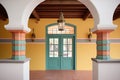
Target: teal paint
x=53, y=66
x=103, y=57
x=61, y=63
x=103, y=48
x=19, y=42
x=66, y=64
x=18, y=57
x=18, y=48
x=103, y=42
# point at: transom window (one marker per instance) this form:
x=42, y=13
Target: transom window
x=54, y=30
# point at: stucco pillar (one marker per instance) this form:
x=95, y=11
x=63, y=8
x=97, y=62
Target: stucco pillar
x=18, y=45
x=103, y=44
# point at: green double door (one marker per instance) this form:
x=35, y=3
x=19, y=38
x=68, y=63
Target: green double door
x=60, y=52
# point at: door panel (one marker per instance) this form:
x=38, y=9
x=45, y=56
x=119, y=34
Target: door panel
x=67, y=53
x=66, y=64
x=53, y=54
x=54, y=64
x=60, y=53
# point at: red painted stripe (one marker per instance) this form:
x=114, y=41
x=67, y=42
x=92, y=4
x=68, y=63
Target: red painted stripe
x=18, y=36
x=101, y=53
x=13, y=31
x=18, y=53
x=19, y=44
x=102, y=35
x=103, y=31
x=103, y=44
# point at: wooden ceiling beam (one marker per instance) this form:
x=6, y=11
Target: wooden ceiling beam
x=3, y=18
x=36, y=15
x=86, y=15
x=116, y=15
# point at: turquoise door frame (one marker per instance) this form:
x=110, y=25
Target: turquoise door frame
x=60, y=62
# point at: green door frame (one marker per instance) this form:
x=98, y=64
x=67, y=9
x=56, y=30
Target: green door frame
x=48, y=35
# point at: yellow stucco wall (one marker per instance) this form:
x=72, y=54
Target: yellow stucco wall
x=37, y=51
x=5, y=50
x=40, y=26
x=37, y=54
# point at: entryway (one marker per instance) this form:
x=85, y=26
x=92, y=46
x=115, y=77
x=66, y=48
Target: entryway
x=60, y=47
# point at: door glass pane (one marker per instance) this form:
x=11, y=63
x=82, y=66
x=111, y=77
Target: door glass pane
x=65, y=54
x=51, y=47
x=55, y=48
x=69, y=40
x=69, y=47
x=65, y=41
x=56, y=40
x=69, y=54
x=64, y=47
x=50, y=54
x=55, y=54
x=50, y=40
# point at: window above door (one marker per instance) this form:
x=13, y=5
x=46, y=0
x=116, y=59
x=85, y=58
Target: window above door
x=54, y=30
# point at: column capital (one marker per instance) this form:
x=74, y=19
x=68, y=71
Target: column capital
x=102, y=31
x=17, y=28
x=104, y=28
x=18, y=31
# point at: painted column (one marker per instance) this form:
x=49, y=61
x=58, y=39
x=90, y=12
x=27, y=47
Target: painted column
x=18, y=45
x=103, y=44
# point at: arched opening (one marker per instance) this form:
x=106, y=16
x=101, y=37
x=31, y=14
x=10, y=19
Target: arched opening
x=5, y=48
x=115, y=38
x=83, y=20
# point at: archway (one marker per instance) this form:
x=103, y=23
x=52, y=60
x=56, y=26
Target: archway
x=25, y=11
x=42, y=63
x=3, y=21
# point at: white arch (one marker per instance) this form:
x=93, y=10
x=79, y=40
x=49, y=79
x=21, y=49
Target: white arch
x=18, y=16
x=20, y=10
x=1, y=1
x=29, y=8
x=105, y=10
x=102, y=11
x=92, y=9
x=87, y=3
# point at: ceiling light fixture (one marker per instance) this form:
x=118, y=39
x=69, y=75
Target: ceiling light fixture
x=61, y=22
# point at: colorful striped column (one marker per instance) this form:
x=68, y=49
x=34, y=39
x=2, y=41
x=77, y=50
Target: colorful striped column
x=103, y=45
x=18, y=45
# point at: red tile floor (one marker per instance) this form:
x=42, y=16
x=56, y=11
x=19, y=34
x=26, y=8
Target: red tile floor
x=61, y=75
